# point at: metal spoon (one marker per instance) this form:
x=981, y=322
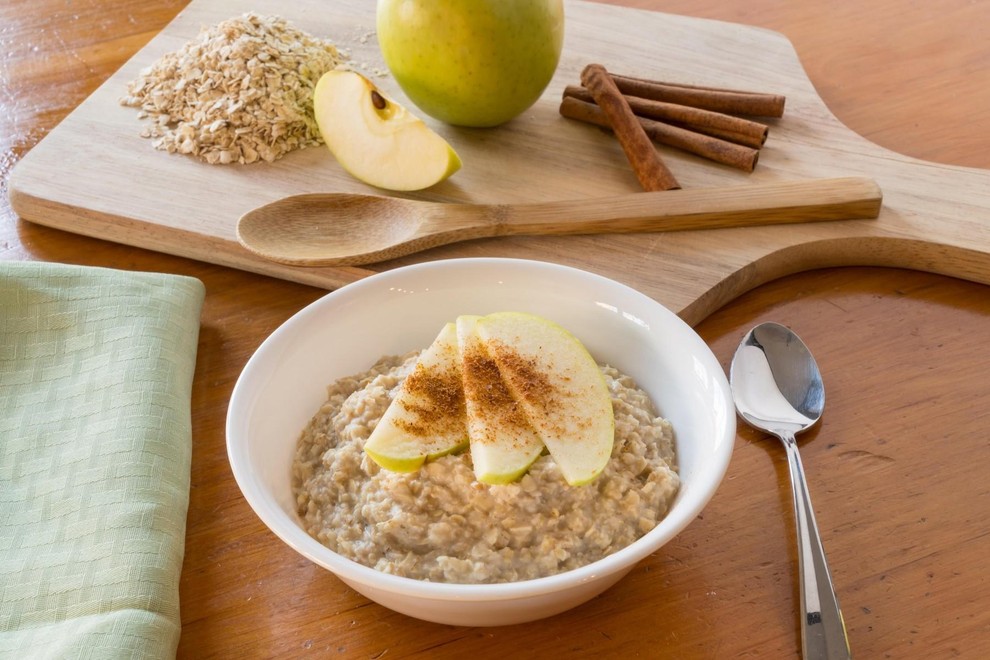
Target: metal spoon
x=778, y=389
x=330, y=229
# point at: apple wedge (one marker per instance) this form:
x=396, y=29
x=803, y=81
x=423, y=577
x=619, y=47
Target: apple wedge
x=377, y=140
x=559, y=387
x=426, y=419
x=503, y=443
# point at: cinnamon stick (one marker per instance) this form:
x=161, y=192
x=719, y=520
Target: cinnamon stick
x=735, y=129
x=715, y=149
x=755, y=104
x=639, y=149
x=728, y=136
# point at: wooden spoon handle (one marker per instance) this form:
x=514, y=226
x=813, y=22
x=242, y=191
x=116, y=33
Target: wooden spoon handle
x=701, y=208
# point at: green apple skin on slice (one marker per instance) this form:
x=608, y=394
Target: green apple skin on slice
x=558, y=385
x=503, y=443
x=376, y=139
x=426, y=419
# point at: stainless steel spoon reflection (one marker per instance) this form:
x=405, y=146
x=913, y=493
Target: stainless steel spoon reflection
x=778, y=388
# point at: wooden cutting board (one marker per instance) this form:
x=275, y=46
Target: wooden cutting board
x=95, y=175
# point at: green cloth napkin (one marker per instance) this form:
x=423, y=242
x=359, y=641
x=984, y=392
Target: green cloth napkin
x=96, y=370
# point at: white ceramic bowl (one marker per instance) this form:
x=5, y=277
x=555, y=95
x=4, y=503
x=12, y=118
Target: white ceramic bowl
x=343, y=333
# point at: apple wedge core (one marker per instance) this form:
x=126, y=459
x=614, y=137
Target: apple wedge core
x=503, y=442
x=376, y=139
x=426, y=419
x=559, y=387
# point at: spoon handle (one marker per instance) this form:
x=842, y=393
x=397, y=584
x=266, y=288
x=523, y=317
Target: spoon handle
x=823, y=631
x=701, y=208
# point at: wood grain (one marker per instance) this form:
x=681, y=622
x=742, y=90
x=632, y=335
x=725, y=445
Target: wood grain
x=171, y=203
x=897, y=469
x=332, y=229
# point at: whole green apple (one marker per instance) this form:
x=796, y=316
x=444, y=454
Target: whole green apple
x=471, y=62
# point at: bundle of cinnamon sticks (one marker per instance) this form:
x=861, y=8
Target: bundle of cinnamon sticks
x=706, y=121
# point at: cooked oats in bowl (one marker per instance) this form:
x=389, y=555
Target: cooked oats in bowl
x=300, y=465
x=440, y=524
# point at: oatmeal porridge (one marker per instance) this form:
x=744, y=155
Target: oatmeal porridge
x=440, y=524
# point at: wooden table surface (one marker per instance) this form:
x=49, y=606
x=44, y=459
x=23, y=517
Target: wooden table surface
x=897, y=468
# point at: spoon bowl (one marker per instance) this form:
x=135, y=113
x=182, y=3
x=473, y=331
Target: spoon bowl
x=777, y=388
x=337, y=229
x=315, y=228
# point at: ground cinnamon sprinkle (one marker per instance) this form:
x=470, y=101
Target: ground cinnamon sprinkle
x=442, y=407
x=497, y=406
x=531, y=383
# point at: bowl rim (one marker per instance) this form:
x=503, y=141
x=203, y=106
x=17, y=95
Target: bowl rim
x=351, y=571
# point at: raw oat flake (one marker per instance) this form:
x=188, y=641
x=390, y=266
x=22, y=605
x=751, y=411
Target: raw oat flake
x=241, y=92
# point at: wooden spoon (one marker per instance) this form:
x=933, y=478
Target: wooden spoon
x=332, y=229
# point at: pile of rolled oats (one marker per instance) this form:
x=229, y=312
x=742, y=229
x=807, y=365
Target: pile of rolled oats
x=241, y=92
